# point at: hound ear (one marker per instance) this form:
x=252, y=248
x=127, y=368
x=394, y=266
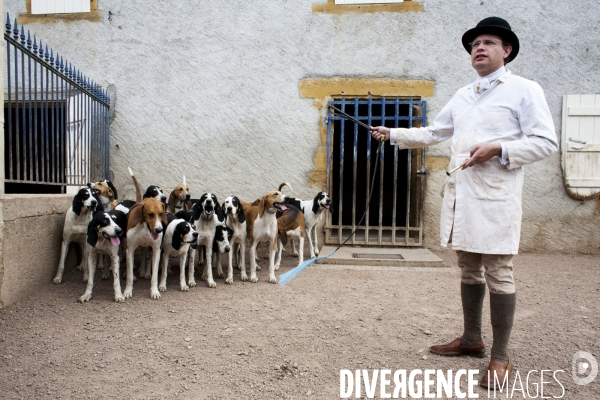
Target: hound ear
x=163, y=218
x=113, y=188
x=136, y=216
x=99, y=205
x=198, y=210
x=315, y=207
x=240, y=212
x=220, y=213
x=261, y=206
x=77, y=204
x=176, y=241
x=171, y=202
x=92, y=234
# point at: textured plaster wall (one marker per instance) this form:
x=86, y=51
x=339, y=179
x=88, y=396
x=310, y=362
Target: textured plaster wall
x=210, y=89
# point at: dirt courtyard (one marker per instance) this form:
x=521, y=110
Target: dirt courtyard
x=263, y=341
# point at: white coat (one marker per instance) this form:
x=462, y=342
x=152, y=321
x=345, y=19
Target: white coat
x=482, y=204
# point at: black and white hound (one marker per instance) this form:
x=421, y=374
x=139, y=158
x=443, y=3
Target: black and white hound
x=206, y=216
x=176, y=242
x=75, y=229
x=104, y=234
x=236, y=221
x=313, y=212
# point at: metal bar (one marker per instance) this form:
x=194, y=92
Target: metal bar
x=328, y=218
x=10, y=144
x=17, y=130
x=31, y=146
x=381, y=163
x=53, y=143
x=37, y=174
x=23, y=114
x=46, y=133
x=368, y=183
x=395, y=194
x=340, y=207
x=354, y=166
x=409, y=175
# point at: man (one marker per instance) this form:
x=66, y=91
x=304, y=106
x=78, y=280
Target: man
x=497, y=124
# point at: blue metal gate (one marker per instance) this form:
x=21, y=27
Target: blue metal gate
x=395, y=214
x=57, y=121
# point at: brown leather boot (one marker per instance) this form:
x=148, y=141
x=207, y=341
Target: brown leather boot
x=497, y=371
x=455, y=348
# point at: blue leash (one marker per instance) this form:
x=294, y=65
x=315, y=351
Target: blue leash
x=286, y=277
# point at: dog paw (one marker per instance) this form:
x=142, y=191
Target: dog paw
x=106, y=274
x=211, y=284
x=154, y=294
x=316, y=252
x=128, y=294
x=203, y=277
x=162, y=288
x=258, y=268
x=147, y=276
x=185, y=288
x=244, y=278
x=277, y=267
x=253, y=279
x=85, y=279
x=192, y=284
x=119, y=299
x=79, y=267
x=273, y=279
x=229, y=281
x=295, y=254
x=85, y=297
x=56, y=281
x=221, y=275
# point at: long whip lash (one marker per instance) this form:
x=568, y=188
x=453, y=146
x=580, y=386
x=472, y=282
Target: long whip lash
x=285, y=278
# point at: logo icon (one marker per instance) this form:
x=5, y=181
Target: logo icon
x=585, y=368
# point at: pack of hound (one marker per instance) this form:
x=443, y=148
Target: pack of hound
x=195, y=231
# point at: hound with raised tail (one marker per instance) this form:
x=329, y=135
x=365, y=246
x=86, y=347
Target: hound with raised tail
x=103, y=237
x=179, y=198
x=144, y=229
x=290, y=225
x=206, y=215
x=176, y=242
x=261, y=224
x=236, y=221
x=313, y=212
x=75, y=228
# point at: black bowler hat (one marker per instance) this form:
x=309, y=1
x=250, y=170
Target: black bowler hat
x=493, y=26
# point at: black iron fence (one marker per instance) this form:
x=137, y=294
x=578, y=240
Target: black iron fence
x=57, y=121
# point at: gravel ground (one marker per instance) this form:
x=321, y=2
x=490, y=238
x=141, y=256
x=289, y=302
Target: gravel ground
x=263, y=341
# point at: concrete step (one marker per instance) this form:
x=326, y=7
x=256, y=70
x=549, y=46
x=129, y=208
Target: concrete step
x=392, y=257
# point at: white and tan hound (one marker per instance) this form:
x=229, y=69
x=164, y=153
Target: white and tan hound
x=107, y=192
x=313, y=212
x=75, y=229
x=144, y=229
x=290, y=225
x=261, y=224
x=179, y=198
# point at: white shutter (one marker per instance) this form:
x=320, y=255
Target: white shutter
x=59, y=6
x=581, y=144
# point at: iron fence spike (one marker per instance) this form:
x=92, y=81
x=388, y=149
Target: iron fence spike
x=8, y=26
